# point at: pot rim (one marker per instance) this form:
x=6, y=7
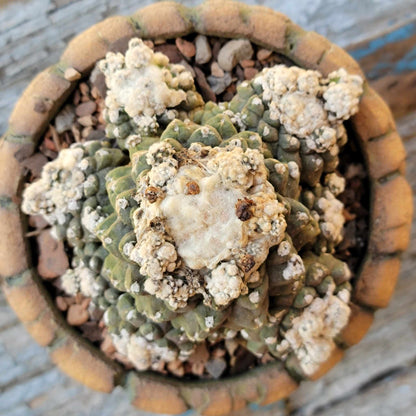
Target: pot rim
x=373, y=126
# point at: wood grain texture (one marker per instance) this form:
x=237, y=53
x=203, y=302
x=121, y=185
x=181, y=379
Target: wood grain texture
x=389, y=61
x=377, y=376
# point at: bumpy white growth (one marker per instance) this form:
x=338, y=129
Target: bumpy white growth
x=295, y=267
x=308, y=105
x=91, y=218
x=226, y=283
x=335, y=183
x=196, y=221
x=82, y=280
x=331, y=218
x=311, y=336
x=142, y=353
x=144, y=85
x=342, y=95
x=59, y=190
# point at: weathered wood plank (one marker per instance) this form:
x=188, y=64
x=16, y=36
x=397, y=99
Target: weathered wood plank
x=389, y=62
x=394, y=395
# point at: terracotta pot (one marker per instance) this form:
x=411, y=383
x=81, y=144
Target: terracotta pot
x=391, y=203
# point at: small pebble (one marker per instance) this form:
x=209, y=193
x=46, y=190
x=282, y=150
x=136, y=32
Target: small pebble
x=99, y=87
x=218, y=85
x=203, y=50
x=263, y=54
x=53, y=261
x=77, y=315
x=216, y=70
x=149, y=43
x=70, y=300
x=216, y=46
x=200, y=355
x=216, y=367
x=176, y=368
x=37, y=221
x=159, y=41
x=186, y=48
x=86, y=131
x=107, y=345
x=87, y=121
x=198, y=369
x=71, y=74
x=84, y=88
x=233, y=52
x=85, y=109
x=247, y=63
x=61, y=304
x=250, y=73
x=171, y=51
x=65, y=119
x=231, y=345
x=205, y=88
x=85, y=303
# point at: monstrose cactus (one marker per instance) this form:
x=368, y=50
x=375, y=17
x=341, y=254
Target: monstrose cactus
x=221, y=222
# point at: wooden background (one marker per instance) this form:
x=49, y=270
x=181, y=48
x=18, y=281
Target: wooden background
x=378, y=376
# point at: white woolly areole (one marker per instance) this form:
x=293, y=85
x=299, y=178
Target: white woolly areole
x=342, y=95
x=331, y=218
x=225, y=283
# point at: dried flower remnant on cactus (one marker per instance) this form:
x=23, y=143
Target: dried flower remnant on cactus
x=144, y=91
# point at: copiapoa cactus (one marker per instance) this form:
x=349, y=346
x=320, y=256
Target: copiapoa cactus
x=222, y=225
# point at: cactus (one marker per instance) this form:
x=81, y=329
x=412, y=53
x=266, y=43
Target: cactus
x=225, y=221
x=183, y=282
